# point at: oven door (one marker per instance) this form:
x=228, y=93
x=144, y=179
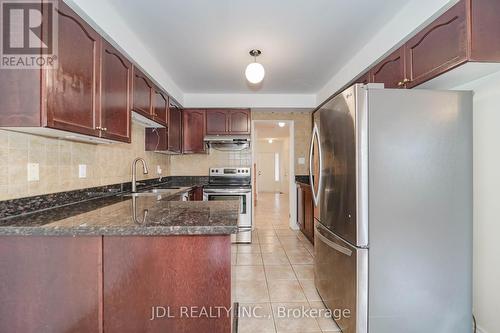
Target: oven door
x=245, y=220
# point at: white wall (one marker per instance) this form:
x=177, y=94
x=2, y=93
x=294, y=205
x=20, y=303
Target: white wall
x=486, y=201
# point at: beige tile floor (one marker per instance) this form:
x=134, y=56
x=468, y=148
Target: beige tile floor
x=274, y=275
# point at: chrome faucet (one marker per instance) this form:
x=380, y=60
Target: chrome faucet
x=134, y=172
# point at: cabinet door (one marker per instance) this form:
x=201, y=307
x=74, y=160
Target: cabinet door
x=239, y=121
x=156, y=139
x=174, y=129
x=198, y=194
x=217, y=122
x=300, y=207
x=166, y=271
x=439, y=47
x=116, y=80
x=194, y=123
x=50, y=284
x=72, y=88
x=308, y=215
x=390, y=71
x=160, y=106
x=142, y=94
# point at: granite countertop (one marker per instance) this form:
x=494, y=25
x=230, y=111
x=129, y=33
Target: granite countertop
x=123, y=215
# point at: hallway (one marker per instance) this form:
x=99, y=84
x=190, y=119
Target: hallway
x=274, y=275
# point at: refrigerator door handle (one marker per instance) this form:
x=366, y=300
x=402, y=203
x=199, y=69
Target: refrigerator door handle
x=315, y=195
x=331, y=244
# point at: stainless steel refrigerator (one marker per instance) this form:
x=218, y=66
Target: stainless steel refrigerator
x=391, y=174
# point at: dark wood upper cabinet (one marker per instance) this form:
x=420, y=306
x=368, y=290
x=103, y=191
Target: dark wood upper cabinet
x=72, y=88
x=160, y=106
x=364, y=79
x=239, y=121
x=174, y=129
x=217, y=121
x=142, y=91
x=116, y=80
x=485, y=30
x=466, y=33
x=439, y=47
x=228, y=121
x=87, y=94
x=166, y=140
x=193, y=130
x=156, y=139
x=390, y=71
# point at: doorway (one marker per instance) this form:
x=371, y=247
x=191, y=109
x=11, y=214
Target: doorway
x=266, y=172
x=273, y=162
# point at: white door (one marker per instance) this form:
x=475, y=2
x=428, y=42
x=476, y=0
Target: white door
x=265, y=173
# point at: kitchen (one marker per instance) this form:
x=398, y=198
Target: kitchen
x=129, y=180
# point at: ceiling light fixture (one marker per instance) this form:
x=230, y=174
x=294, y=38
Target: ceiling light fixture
x=270, y=140
x=281, y=124
x=255, y=72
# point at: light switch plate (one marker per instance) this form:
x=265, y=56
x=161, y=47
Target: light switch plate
x=302, y=160
x=82, y=171
x=33, y=172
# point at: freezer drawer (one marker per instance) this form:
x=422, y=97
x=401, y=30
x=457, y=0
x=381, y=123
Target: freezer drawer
x=341, y=277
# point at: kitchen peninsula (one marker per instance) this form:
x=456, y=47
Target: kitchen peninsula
x=110, y=264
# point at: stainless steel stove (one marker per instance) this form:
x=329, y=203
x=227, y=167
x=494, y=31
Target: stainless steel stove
x=233, y=184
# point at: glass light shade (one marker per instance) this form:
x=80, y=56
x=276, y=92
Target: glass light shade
x=255, y=72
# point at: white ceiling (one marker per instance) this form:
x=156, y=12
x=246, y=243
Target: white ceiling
x=204, y=45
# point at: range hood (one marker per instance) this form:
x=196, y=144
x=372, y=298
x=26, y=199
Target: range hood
x=228, y=142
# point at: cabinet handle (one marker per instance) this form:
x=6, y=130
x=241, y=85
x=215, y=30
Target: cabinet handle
x=98, y=128
x=406, y=81
x=104, y=129
x=400, y=83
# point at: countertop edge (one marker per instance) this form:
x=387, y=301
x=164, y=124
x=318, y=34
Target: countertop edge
x=117, y=231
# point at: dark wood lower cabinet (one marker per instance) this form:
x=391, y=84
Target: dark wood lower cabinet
x=114, y=284
x=305, y=210
x=50, y=284
x=196, y=194
x=169, y=274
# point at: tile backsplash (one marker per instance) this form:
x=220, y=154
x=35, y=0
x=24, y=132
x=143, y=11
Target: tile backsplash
x=198, y=165
x=59, y=162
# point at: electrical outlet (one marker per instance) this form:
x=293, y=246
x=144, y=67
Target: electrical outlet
x=302, y=160
x=33, y=172
x=82, y=171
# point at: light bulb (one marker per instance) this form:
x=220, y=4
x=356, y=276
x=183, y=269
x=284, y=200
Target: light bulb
x=281, y=124
x=270, y=140
x=255, y=72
